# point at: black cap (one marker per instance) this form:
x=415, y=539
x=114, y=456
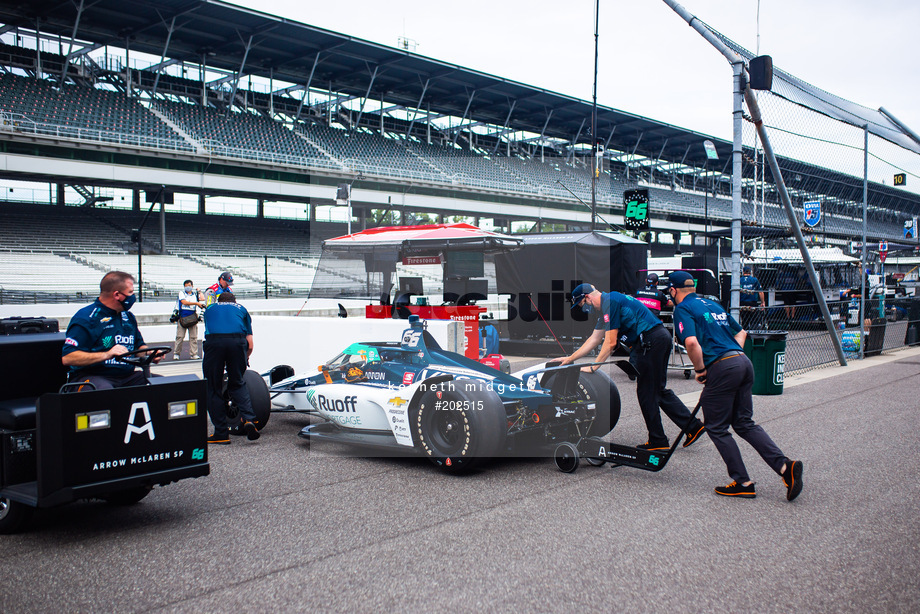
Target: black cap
x=227, y=277
x=680, y=279
x=580, y=292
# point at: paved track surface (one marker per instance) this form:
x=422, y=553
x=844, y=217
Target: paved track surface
x=283, y=526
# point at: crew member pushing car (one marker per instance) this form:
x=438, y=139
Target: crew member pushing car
x=650, y=345
x=714, y=340
x=228, y=345
x=100, y=332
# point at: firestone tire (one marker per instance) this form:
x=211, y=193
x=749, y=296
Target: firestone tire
x=13, y=515
x=261, y=399
x=458, y=424
x=258, y=395
x=598, y=388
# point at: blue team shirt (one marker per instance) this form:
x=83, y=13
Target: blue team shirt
x=227, y=319
x=750, y=286
x=713, y=328
x=96, y=328
x=625, y=314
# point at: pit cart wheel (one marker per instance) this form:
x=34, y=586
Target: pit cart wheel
x=127, y=497
x=598, y=387
x=595, y=462
x=566, y=457
x=687, y=374
x=138, y=360
x=13, y=515
x=458, y=424
x=258, y=395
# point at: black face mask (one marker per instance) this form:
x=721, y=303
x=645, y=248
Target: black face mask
x=129, y=301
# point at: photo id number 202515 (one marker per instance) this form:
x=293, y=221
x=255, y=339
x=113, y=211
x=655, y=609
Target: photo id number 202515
x=457, y=405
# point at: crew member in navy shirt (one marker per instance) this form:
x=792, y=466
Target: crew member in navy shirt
x=100, y=332
x=713, y=340
x=228, y=345
x=623, y=318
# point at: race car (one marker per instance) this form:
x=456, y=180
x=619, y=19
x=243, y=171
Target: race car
x=413, y=396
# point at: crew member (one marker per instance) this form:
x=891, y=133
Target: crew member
x=223, y=285
x=100, y=332
x=650, y=343
x=714, y=340
x=751, y=300
x=227, y=345
x=650, y=296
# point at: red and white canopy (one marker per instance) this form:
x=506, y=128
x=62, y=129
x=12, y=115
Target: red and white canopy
x=430, y=237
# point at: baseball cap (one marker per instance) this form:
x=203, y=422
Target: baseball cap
x=680, y=279
x=652, y=279
x=746, y=269
x=580, y=292
x=227, y=277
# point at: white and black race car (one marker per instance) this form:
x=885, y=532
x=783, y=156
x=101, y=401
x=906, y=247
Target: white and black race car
x=411, y=395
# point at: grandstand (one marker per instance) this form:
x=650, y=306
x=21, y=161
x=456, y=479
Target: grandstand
x=511, y=154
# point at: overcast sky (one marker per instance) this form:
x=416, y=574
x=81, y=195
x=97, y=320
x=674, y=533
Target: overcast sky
x=650, y=63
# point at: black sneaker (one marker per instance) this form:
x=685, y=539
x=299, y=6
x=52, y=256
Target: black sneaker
x=654, y=447
x=252, y=433
x=694, y=435
x=237, y=430
x=792, y=478
x=737, y=490
x=221, y=440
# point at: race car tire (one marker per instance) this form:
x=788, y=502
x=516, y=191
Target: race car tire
x=258, y=395
x=13, y=515
x=261, y=399
x=599, y=388
x=458, y=424
x=126, y=497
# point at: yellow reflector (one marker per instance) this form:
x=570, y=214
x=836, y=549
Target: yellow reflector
x=183, y=409
x=93, y=421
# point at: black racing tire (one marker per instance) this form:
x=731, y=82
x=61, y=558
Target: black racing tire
x=458, y=424
x=261, y=399
x=258, y=395
x=13, y=515
x=599, y=388
x=127, y=497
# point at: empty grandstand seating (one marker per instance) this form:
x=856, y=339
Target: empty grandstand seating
x=76, y=111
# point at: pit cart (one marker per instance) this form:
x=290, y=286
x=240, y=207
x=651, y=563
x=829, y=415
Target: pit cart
x=598, y=452
x=62, y=442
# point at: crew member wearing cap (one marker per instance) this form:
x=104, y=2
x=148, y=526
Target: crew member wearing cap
x=650, y=296
x=650, y=345
x=751, y=300
x=713, y=340
x=222, y=285
x=228, y=345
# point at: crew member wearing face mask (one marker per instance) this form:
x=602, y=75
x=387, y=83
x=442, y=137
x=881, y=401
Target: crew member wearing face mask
x=101, y=331
x=624, y=318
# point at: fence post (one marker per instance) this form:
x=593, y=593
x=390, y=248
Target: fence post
x=266, y=276
x=862, y=261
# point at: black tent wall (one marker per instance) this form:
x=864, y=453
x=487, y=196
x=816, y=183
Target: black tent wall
x=542, y=274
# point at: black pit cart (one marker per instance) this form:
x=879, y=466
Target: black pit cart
x=598, y=452
x=58, y=446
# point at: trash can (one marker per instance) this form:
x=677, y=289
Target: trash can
x=767, y=350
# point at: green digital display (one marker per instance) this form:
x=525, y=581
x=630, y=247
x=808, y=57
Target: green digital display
x=635, y=209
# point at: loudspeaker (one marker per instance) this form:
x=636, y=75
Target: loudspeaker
x=761, y=71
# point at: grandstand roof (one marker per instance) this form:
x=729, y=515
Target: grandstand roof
x=292, y=51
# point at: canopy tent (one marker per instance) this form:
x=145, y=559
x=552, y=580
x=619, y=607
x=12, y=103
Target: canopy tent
x=819, y=255
x=416, y=240
x=542, y=274
x=366, y=264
